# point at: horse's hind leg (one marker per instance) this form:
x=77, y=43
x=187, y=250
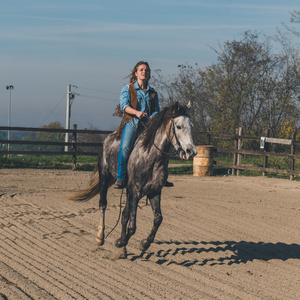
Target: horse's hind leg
x=155, y=205
x=101, y=227
x=104, y=184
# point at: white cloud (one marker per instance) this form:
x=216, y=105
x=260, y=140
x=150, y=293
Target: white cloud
x=40, y=18
x=63, y=33
x=272, y=6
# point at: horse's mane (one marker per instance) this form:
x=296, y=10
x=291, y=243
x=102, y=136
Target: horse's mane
x=161, y=119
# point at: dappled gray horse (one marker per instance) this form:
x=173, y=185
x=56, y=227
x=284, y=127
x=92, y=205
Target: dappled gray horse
x=147, y=170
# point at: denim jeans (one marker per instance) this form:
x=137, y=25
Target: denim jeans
x=127, y=141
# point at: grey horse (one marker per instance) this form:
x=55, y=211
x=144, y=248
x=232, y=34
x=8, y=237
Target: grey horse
x=147, y=170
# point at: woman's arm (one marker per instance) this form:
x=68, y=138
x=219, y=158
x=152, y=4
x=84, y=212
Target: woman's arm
x=134, y=112
x=125, y=104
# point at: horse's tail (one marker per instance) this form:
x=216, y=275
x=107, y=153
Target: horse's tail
x=91, y=191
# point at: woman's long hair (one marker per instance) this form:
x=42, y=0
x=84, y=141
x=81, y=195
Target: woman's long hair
x=132, y=74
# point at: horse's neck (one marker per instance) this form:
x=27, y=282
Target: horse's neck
x=157, y=151
x=162, y=142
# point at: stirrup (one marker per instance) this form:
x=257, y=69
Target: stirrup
x=169, y=184
x=119, y=184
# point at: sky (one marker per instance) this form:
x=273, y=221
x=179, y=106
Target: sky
x=94, y=44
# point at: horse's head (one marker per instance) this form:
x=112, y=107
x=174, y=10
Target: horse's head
x=180, y=131
x=175, y=123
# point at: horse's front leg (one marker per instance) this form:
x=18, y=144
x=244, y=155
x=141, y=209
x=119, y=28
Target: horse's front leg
x=128, y=225
x=155, y=205
x=131, y=228
x=128, y=221
x=122, y=241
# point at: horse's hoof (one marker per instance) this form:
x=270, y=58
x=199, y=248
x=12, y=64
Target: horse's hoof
x=144, y=245
x=123, y=253
x=119, y=243
x=99, y=242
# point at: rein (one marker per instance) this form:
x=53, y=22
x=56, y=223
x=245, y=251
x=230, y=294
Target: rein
x=120, y=211
x=174, y=135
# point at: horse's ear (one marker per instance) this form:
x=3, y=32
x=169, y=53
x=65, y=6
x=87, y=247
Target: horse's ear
x=176, y=107
x=188, y=108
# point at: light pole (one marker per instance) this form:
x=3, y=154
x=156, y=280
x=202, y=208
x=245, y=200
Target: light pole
x=70, y=96
x=9, y=87
x=68, y=114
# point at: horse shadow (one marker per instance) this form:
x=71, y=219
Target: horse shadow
x=227, y=252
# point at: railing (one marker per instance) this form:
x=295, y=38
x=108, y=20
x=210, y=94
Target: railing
x=211, y=138
x=73, y=146
x=264, y=151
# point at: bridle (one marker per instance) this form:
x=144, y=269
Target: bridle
x=172, y=127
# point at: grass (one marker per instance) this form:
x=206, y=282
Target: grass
x=273, y=162
x=87, y=163
x=61, y=162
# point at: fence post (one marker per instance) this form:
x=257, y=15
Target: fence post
x=239, y=146
x=292, y=153
x=266, y=150
x=236, y=148
x=74, y=139
x=208, y=136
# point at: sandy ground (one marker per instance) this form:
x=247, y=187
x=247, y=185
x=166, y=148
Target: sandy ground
x=221, y=238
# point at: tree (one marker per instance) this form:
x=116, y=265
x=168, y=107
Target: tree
x=92, y=138
x=295, y=18
x=51, y=136
x=185, y=87
x=255, y=84
x=256, y=88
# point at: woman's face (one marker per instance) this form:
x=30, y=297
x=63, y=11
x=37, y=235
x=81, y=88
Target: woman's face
x=142, y=73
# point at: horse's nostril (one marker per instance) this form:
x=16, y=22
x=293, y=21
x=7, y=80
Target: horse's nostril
x=189, y=152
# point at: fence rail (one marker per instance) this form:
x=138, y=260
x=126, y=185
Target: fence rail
x=265, y=151
x=77, y=148
x=61, y=130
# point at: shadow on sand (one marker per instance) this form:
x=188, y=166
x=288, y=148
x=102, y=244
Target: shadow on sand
x=236, y=252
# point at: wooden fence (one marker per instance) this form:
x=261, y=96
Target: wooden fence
x=264, y=151
x=77, y=148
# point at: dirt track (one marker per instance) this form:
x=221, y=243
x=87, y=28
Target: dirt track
x=221, y=238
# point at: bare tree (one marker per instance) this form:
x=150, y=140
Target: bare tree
x=184, y=87
x=254, y=84
x=295, y=18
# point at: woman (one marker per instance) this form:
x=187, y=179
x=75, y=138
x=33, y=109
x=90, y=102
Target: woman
x=138, y=102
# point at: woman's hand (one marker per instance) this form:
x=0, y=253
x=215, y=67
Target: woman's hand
x=137, y=113
x=140, y=114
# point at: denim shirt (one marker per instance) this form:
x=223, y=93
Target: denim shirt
x=143, y=101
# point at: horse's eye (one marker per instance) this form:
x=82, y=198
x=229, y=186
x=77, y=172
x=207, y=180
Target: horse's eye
x=178, y=127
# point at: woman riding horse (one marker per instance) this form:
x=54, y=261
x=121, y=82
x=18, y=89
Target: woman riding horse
x=147, y=169
x=138, y=102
